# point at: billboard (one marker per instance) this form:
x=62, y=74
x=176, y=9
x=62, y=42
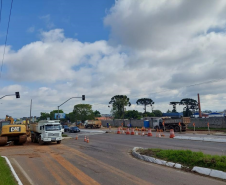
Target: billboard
x=59, y=116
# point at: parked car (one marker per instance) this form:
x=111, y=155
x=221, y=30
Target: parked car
x=74, y=129
x=66, y=128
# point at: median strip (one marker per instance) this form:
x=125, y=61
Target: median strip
x=210, y=165
x=8, y=175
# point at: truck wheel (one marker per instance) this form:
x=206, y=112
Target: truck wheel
x=177, y=129
x=40, y=141
x=32, y=139
x=156, y=128
x=58, y=142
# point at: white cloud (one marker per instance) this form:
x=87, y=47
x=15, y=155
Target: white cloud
x=31, y=29
x=155, y=46
x=48, y=21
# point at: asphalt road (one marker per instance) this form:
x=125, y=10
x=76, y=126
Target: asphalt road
x=105, y=159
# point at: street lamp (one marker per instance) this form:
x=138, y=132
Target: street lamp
x=83, y=98
x=16, y=93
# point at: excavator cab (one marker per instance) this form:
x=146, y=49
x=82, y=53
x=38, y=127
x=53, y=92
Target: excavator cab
x=12, y=132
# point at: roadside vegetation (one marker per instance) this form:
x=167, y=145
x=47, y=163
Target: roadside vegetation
x=188, y=158
x=6, y=177
x=64, y=135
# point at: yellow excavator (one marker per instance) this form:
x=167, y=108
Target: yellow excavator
x=12, y=132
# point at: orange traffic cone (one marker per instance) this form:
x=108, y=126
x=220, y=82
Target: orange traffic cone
x=132, y=132
x=85, y=139
x=118, y=131
x=159, y=135
x=172, y=135
x=149, y=132
x=127, y=132
x=76, y=137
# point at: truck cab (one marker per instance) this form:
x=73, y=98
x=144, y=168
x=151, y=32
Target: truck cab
x=46, y=131
x=157, y=123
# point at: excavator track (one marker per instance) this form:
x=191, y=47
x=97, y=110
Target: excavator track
x=22, y=140
x=3, y=140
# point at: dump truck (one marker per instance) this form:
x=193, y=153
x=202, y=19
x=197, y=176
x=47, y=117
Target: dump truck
x=12, y=132
x=46, y=131
x=179, y=124
x=92, y=124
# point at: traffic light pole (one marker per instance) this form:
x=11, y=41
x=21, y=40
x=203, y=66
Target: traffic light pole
x=83, y=98
x=16, y=93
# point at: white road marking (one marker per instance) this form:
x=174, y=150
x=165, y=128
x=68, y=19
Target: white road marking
x=22, y=170
x=13, y=171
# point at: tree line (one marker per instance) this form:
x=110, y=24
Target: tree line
x=118, y=104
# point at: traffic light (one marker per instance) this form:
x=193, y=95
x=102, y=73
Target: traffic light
x=83, y=97
x=17, y=94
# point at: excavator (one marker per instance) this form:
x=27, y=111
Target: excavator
x=12, y=132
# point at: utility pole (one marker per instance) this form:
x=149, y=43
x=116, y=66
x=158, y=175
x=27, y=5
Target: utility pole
x=200, y=114
x=30, y=108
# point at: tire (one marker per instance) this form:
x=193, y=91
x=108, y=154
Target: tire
x=58, y=142
x=40, y=141
x=177, y=129
x=32, y=139
x=156, y=128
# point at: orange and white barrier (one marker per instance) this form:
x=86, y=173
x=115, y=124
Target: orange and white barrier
x=85, y=139
x=149, y=132
x=118, y=131
x=127, y=131
x=172, y=135
x=157, y=132
x=143, y=134
x=132, y=132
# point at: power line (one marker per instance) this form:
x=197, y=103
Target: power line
x=6, y=37
x=201, y=83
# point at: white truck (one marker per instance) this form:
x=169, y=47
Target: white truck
x=169, y=123
x=46, y=131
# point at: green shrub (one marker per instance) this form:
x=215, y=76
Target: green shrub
x=188, y=158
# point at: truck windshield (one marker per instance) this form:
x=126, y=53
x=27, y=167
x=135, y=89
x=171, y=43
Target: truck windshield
x=52, y=127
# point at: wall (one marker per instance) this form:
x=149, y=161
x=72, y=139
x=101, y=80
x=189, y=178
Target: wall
x=214, y=122
x=118, y=122
x=199, y=122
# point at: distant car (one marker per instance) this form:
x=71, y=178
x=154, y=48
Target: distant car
x=66, y=128
x=74, y=129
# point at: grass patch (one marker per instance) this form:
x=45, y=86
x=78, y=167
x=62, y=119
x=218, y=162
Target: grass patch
x=64, y=135
x=188, y=158
x=6, y=176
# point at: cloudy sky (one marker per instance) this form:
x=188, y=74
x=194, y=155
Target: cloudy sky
x=140, y=48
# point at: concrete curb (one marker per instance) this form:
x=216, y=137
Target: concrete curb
x=66, y=138
x=13, y=171
x=209, y=139
x=200, y=170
